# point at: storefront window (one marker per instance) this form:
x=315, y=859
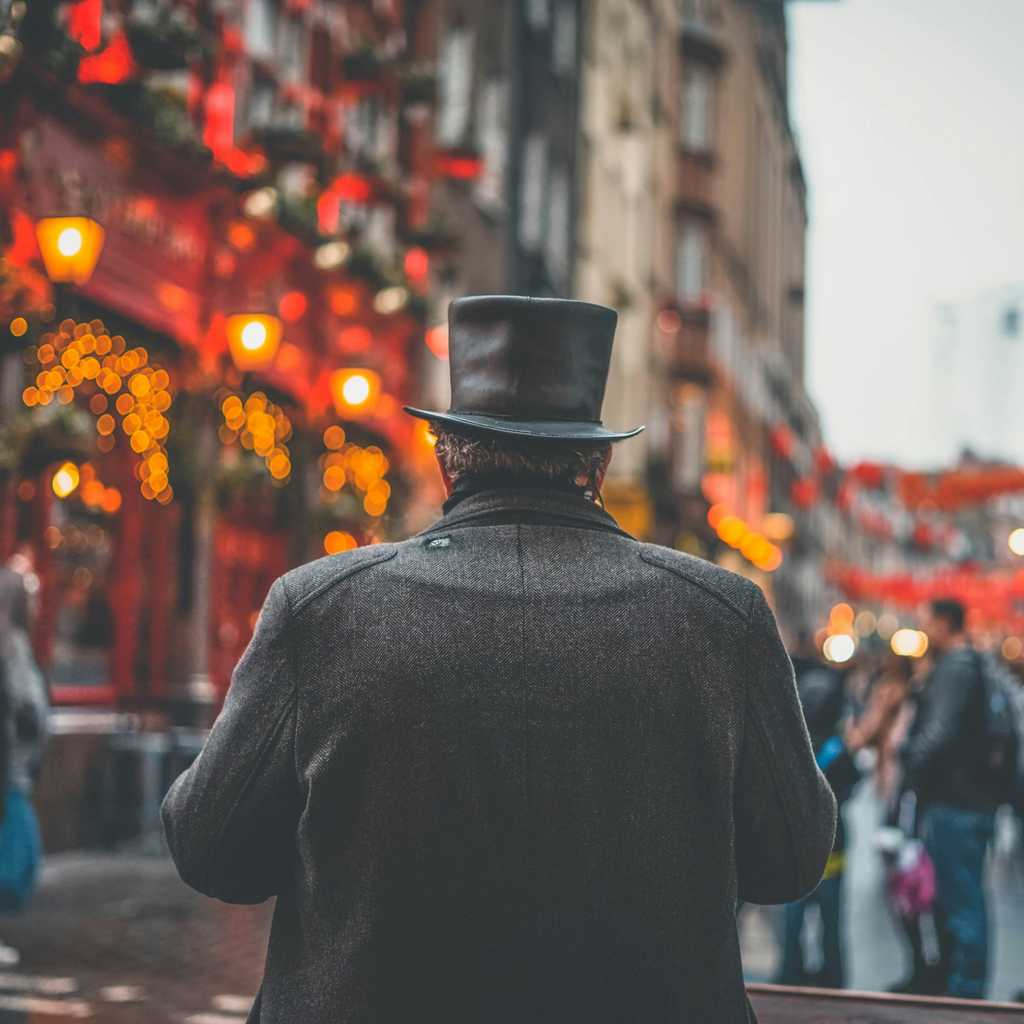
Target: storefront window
x=81, y=551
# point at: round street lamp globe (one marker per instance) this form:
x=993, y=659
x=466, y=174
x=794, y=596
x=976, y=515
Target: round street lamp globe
x=254, y=335
x=253, y=340
x=356, y=389
x=1016, y=541
x=65, y=480
x=69, y=242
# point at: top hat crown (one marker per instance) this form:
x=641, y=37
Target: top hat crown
x=532, y=367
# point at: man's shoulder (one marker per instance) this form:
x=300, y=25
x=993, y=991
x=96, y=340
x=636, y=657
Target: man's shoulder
x=308, y=582
x=733, y=591
x=962, y=663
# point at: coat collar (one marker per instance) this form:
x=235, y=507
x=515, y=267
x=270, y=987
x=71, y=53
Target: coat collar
x=512, y=504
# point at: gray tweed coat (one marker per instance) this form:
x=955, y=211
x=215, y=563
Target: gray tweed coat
x=518, y=767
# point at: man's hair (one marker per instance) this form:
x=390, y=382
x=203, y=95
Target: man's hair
x=464, y=451
x=950, y=610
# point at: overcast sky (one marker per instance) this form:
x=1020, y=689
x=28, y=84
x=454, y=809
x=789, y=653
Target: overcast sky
x=910, y=115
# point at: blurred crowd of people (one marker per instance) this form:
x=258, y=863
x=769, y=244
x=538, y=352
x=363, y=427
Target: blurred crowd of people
x=939, y=739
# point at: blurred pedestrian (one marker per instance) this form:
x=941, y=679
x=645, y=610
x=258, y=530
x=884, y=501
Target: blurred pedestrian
x=23, y=732
x=909, y=871
x=822, y=696
x=883, y=722
x=947, y=764
x=520, y=765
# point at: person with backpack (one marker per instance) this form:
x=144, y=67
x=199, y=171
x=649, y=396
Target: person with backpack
x=952, y=762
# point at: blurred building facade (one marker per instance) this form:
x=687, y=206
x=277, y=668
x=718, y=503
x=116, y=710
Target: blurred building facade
x=288, y=196
x=696, y=222
x=216, y=395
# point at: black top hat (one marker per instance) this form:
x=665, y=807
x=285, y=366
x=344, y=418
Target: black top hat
x=532, y=367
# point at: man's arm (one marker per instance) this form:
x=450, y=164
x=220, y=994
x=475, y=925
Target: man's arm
x=230, y=819
x=785, y=812
x=949, y=690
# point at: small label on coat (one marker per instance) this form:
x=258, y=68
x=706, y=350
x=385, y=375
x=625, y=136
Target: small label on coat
x=439, y=542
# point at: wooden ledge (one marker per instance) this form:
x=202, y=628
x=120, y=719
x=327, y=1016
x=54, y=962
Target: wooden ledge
x=780, y=1004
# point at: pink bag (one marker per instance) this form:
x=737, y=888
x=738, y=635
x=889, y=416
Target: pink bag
x=911, y=882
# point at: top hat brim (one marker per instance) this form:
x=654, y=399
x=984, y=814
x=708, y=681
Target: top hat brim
x=551, y=430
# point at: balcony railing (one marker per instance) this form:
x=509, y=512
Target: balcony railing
x=686, y=350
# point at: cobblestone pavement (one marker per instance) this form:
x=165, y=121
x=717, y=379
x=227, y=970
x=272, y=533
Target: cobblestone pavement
x=116, y=938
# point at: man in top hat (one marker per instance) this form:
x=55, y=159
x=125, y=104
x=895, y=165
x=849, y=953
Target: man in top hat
x=520, y=766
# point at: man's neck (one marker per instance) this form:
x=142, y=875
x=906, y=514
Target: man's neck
x=956, y=643
x=474, y=483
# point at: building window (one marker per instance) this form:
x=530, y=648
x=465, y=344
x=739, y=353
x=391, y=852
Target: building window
x=538, y=13
x=291, y=59
x=697, y=110
x=691, y=261
x=321, y=60
x=491, y=128
x=262, y=96
x=699, y=12
x=563, y=47
x=531, y=211
x=455, y=86
x=363, y=128
x=557, y=242
x=258, y=29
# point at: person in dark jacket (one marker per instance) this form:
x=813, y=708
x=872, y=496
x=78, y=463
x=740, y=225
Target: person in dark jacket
x=945, y=760
x=519, y=766
x=823, y=698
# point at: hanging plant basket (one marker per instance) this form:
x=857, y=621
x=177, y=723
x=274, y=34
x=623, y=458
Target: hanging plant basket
x=163, y=45
x=35, y=439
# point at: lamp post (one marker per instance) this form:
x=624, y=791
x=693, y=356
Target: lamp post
x=253, y=341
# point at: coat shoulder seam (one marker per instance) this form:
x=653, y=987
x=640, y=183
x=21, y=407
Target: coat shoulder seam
x=305, y=599
x=677, y=570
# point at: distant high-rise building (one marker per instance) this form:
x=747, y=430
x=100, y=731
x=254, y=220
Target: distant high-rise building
x=977, y=377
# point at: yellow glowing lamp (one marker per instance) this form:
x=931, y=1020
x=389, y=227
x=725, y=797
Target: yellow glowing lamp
x=70, y=247
x=355, y=391
x=65, y=479
x=253, y=339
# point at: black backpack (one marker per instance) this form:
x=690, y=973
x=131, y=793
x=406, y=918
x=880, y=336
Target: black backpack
x=1003, y=731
